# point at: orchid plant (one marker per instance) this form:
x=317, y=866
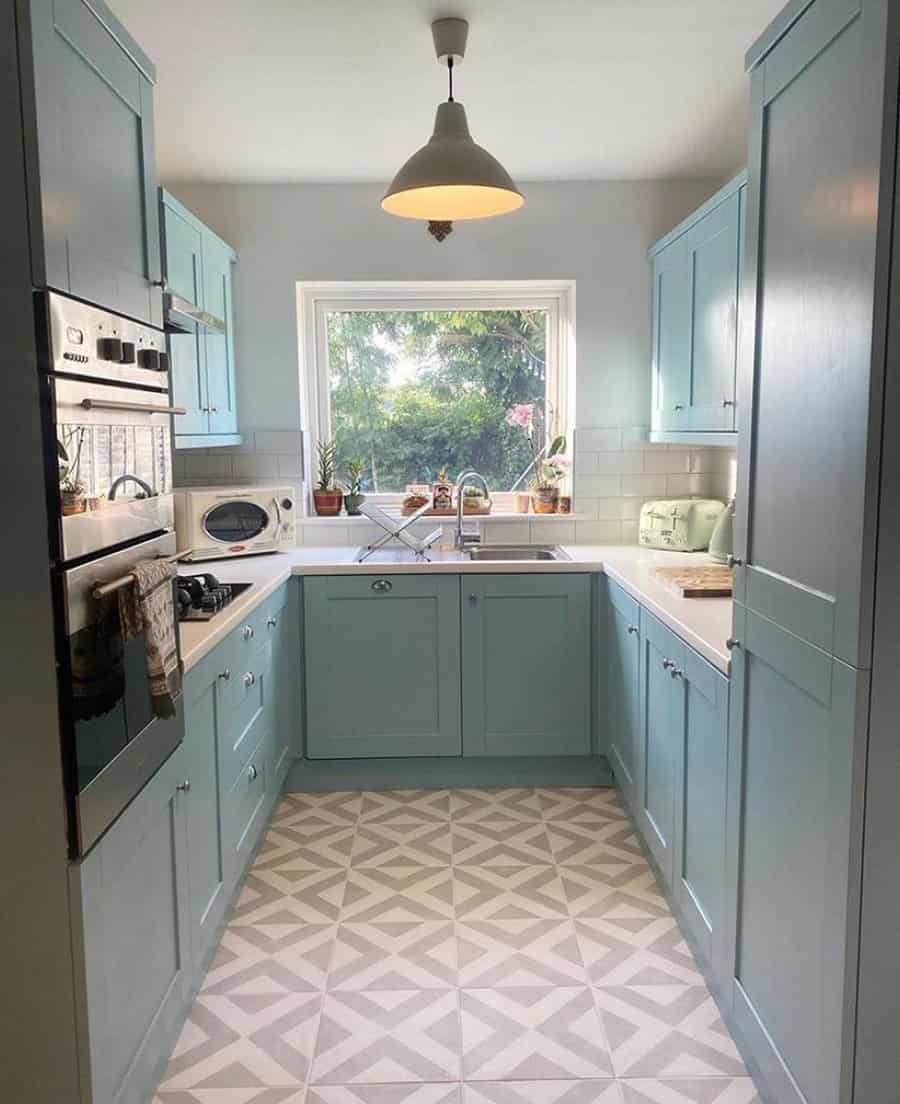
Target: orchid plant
x=549, y=465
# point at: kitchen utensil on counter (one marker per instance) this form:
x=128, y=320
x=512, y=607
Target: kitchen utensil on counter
x=721, y=543
x=696, y=582
x=679, y=524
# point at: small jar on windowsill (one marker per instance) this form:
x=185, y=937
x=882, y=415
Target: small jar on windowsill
x=545, y=500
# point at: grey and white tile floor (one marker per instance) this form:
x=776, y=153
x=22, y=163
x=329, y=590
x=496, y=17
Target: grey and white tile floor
x=453, y=947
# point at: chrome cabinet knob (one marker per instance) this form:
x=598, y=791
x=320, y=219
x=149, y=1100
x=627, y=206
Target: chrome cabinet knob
x=735, y=561
x=184, y=787
x=272, y=622
x=382, y=586
x=679, y=406
x=668, y=664
x=473, y=599
x=731, y=643
x=249, y=679
x=225, y=675
x=252, y=772
x=727, y=402
x=676, y=672
x=247, y=632
x=633, y=630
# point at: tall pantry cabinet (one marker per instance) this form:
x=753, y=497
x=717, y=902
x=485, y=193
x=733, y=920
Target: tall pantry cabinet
x=808, y=987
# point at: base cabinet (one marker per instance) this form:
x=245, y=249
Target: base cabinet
x=622, y=659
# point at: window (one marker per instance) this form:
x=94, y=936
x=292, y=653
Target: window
x=418, y=379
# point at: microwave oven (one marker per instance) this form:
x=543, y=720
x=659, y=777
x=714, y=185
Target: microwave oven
x=216, y=523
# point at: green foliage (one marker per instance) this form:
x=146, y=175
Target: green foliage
x=326, y=451
x=455, y=375
x=353, y=482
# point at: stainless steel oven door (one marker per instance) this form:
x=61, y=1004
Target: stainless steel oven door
x=115, y=743
x=115, y=454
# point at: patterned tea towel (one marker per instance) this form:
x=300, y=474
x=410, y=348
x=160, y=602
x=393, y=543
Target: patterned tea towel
x=148, y=607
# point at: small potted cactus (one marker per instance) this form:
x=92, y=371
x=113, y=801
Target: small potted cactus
x=327, y=497
x=353, y=496
x=442, y=492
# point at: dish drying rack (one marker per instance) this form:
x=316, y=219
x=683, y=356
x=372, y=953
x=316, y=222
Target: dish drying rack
x=395, y=528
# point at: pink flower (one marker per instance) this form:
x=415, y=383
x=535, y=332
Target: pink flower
x=561, y=462
x=522, y=414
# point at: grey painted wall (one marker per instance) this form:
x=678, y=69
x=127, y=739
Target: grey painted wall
x=595, y=233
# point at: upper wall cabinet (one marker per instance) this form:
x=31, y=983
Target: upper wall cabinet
x=695, y=298
x=88, y=135
x=199, y=316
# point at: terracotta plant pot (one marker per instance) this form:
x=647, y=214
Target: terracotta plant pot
x=328, y=503
x=352, y=503
x=72, y=502
x=545, y=500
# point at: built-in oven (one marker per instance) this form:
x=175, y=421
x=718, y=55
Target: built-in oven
x=113, y=743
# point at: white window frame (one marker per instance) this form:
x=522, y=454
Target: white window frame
x=316, y=299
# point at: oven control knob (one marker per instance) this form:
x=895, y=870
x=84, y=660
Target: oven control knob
x=127, y=356
x=149, y=358
x=109, y=348
x=287, y=504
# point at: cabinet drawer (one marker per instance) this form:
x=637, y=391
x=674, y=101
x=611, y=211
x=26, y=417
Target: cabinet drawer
x=241, y=705
x=244, y=806
x=251, y=633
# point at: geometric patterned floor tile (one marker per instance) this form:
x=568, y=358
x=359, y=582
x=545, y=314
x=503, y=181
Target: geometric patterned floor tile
x=532, y=1034
x=405, y=807
x=572, y=804
x=593, y=842
x=628, y=950
x=501, y=843
x=541, y=1092
x=506, y=953
x=276, y=957
x=291, y=1095
x=305, y=847
x=666, y=1031
x=394, y=955
x=493, y=803
x=384, y=1094
x=245, y=1040
x=400, y=893
x=388, y=1036
x=275, y=896
x=427, y=844
x=317, y=808
x=615, y=888
x=507, y=892
x=698, y=1090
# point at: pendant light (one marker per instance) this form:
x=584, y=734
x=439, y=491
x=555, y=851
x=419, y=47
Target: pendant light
x=451, y=177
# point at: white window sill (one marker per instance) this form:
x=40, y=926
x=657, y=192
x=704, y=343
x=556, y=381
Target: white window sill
x=501, y=516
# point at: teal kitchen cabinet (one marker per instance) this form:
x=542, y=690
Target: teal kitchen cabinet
x=88, y=133
x=526, y=664
x=198, y=269
x=794, y=825
x=382, y=666
x=694, y=322
x=622, y=658
x=662, y=729
x=130, y=901
x=282, y=625
x=698, y=885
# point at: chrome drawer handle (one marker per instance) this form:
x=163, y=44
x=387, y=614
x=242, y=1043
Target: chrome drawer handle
x=735, y=561
x=632, y=629
x=247, y=632
x=249, y=679
x=679, y=406
x=382, y=586
x=252, y=773
x=727, y=402
x=137, y=408
x=226, y=674
x=676, y=672
x=184, y=787
x=272, y=622
x=731, y=643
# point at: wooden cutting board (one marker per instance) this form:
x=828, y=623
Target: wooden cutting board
x=696, y=582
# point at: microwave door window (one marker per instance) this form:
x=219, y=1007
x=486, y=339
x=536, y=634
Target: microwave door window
x=235, y=522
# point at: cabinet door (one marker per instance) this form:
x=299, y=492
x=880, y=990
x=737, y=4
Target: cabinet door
x=623, y=657
x=671, y=337
x=382, y=666
x=698, y=886
x=807, y=395
x=712, y=247
x=526, y=664
x=187, y=354
x=98, y=218
x=206, y=886
x=132, y=892
x=219, y=344
x=662, y=729
x=282, y=626
x=795, y=791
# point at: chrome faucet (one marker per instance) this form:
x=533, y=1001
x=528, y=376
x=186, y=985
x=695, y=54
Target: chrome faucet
x=142, y=483
x=463, y=540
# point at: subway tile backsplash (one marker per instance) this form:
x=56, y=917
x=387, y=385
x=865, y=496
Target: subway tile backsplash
x=615, y=471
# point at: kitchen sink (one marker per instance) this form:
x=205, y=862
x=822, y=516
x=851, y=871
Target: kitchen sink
x=516, y=552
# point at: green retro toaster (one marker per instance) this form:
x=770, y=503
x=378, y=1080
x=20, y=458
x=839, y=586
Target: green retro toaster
x=679, y=524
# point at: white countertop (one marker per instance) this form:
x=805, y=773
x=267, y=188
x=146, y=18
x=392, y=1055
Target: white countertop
x=704, y=623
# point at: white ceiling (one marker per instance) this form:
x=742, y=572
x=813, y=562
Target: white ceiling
x=289, y=90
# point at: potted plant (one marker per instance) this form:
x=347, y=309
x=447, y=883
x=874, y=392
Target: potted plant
x=327, y=497
x=548, y=465
x=475, y=501
x=72, y=496
x=353, y=496
x=442, y=492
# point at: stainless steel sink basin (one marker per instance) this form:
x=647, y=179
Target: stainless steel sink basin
x=516, y=552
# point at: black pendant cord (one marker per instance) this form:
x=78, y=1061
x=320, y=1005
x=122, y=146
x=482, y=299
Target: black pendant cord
x=450, y=71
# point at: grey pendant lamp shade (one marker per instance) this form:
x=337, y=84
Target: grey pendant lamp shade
x=451, y=177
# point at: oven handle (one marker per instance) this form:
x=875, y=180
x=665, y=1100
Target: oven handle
x=138, y=408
